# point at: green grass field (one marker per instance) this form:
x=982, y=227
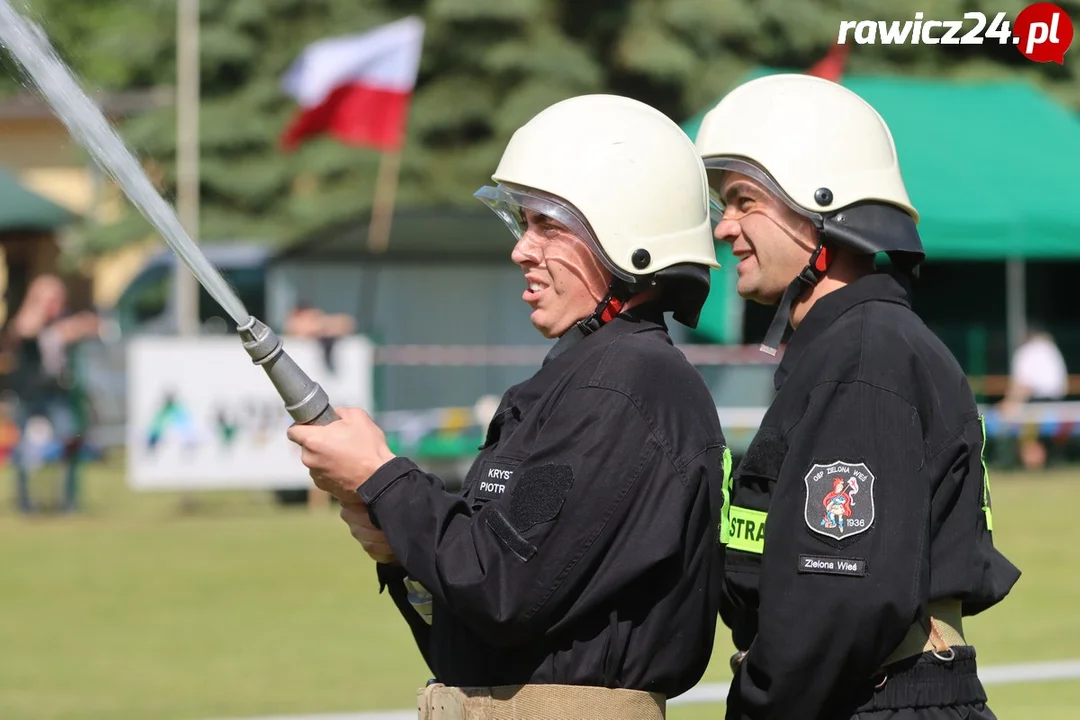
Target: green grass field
x=227, y=605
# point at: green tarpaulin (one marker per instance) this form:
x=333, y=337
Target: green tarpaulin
x=992, y=167
x=23, y=210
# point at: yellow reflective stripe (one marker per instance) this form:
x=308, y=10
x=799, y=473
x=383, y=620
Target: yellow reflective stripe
x=747, y=530
x=986, y=478
x=726, y=491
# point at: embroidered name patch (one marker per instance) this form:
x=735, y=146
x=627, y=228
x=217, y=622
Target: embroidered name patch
x=494, y=480
x=832, y=565
x=839, y=499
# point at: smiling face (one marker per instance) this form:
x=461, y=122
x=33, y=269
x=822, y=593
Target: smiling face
x=772, y=242
x=565, y=281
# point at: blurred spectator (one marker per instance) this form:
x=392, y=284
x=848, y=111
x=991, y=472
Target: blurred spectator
x=37, y=341
x=304, y=321
x=1038, y=375
x=310, y=322
x=307, y=321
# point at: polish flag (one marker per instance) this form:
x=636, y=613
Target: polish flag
x=356, y=88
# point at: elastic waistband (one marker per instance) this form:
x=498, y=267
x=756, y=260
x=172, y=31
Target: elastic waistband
x=537, y=702
x=941, y=627
x=927, y=681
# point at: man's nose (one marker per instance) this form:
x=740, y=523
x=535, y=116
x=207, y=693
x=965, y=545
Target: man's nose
x=527, y=250
x=727, y=230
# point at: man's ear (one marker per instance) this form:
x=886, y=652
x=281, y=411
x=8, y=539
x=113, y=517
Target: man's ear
x=802, y=230
x=812, y=232
x=846, y=262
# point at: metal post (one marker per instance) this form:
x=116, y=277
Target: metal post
x=187, y=157
x=1015, y=302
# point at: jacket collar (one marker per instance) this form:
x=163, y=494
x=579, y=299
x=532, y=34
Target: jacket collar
x=880, y=286
x=629, y=321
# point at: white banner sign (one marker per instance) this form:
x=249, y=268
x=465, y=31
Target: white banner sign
x=202, y=416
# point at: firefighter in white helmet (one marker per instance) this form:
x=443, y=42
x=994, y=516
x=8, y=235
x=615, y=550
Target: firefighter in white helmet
x=578, y=572
x=858, y=528
x=624, y=186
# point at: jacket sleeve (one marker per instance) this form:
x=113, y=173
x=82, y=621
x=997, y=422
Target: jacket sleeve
x=845, y=564
x=594, y=505
x=392, y=579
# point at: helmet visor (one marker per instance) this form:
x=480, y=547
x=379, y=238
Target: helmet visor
x=510, y=204
x=717, y=167
x=716, y=209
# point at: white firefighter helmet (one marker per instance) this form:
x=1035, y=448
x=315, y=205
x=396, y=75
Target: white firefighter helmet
x=627, y=180
x=823, y=146
x=829, y=155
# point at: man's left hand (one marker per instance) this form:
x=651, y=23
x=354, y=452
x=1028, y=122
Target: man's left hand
x=341, y=456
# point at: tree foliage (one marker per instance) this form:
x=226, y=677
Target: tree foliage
x=487, y=68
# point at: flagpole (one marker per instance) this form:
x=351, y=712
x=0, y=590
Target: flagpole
x=382, y=208
x=186, y=290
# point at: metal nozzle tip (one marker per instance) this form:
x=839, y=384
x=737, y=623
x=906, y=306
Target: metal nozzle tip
x=259, y=340
x=304, y=399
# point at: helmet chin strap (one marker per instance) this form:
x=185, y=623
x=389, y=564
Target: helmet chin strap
x=611, y=305
x=815, y=269
x=614, y=301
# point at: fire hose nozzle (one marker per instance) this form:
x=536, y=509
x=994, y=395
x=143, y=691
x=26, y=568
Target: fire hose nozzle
x=305, y=399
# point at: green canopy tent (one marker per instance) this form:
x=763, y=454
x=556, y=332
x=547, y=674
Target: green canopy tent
x=22, y=210
x=990, y=165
